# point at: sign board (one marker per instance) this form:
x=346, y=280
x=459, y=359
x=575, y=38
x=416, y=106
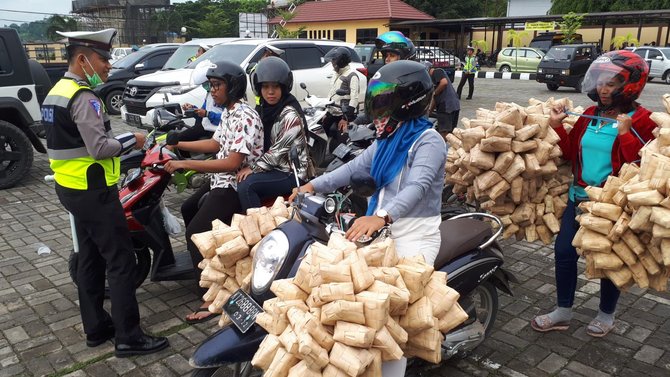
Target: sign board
x=540, y=25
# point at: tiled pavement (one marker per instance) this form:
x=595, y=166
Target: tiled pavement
x=41, y=333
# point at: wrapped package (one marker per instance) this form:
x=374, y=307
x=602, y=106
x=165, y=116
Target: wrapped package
x=350, y=360
x=341, y=310
x=354, y=335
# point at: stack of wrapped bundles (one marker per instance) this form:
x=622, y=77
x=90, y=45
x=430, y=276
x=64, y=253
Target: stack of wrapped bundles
x=625, y=227
x=508, y=162
x=228, y=252
x=348, y=309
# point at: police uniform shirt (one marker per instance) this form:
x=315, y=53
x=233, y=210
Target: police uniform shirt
x=88, y=113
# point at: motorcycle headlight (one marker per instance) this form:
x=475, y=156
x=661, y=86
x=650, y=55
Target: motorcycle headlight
x=268, y=259
x=177, y=89
x=329, y=205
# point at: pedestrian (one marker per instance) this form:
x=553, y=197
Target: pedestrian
x=336, y=121
x=284, y=128
x=604, y=138
x=237, y=142
x=84, y=157
x=407, y=163
x=445, y=102
x=470, y=68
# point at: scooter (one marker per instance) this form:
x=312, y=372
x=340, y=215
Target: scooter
x=469, y=254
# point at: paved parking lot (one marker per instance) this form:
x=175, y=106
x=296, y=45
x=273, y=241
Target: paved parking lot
x=41, y=333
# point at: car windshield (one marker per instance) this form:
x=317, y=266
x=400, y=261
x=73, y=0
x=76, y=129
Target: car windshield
x=235, y=53
x=128, y=60
x=666, y=52
x=560, y=53
x=180, y=57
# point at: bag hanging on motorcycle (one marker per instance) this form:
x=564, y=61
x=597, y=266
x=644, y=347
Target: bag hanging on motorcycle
x=170, y=221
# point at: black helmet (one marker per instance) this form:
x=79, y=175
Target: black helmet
x=341, y=56
x=400, y=91
x=397, y=43
x=234, y=77
x=272, y=69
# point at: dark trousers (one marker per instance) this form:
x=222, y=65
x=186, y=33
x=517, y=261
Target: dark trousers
x=220, y=203
x=259, y=186
x=471, y=84
x=330, y=126
x=566, y=267
x=104, y=247
x=446, y=121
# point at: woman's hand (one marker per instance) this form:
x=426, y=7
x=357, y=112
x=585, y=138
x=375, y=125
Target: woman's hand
x=343, y=125
x=172, y=166
x=557, y=116
x=244, y=173
x=365, y=225
x=307, y=187
x=201, y=112
x=624, y=123
x=186, y=106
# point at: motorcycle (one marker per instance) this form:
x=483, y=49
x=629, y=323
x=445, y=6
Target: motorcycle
x=469, y=254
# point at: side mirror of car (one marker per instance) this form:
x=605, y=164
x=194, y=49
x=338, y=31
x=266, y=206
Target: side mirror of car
x=139, y=66
x=363, y=184
x=659, y=58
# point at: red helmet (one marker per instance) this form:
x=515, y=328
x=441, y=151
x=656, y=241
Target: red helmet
x=627, y=67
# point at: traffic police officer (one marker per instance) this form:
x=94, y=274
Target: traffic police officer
x=470, y=68
x=84, y=157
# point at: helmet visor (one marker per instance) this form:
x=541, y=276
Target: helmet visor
x=381, y=99
x=604, y=79
x=391, y=38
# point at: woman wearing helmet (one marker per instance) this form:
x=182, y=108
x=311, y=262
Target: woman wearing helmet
x=237, y=142
x=407, y=163
x=395, y=46
x=283, y=127
x=605, y=137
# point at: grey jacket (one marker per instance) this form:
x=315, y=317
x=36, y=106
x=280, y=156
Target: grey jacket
x=416, y=192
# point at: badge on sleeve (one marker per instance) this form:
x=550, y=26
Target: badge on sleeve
x=95, y=104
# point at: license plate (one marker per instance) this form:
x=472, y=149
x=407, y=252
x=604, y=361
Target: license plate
x=242, y=310
x=134, y=120
x=549, y=76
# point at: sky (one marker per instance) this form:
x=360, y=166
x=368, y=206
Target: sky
x=43, y=6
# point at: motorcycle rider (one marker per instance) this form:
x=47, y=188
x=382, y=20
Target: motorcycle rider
x=395, y=46
x=238, y=142
x=84, y=158
x=407, y=163
x=284, y=127
x=208, y=116
x=345, y=78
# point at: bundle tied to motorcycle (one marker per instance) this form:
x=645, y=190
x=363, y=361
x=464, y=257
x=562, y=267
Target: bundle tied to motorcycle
x=624, y=230
x=348, y=309
x=228, y=253
x=509, y=163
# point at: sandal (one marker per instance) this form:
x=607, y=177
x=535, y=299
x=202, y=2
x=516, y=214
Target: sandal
x=603, y=329
x=543, y=323
x=201, y=319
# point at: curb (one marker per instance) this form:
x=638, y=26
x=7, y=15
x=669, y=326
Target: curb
x=501, y=75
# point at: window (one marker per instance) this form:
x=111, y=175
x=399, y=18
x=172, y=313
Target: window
x=303, y=34
x=653, y=54
x=532, y=54
x=642, y=52
x=5, y=63
x=508, y=52
x=340, y=35
x=366, y=35
x=156, y=61
x=303, y=57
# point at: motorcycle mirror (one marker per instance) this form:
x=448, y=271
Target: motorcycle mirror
x=294, y=157
x=303, y=86
x=341, y=92
x=172, y=138
x=363, y=184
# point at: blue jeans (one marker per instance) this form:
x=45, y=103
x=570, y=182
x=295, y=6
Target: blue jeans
x=258, y=186
x=566, y=267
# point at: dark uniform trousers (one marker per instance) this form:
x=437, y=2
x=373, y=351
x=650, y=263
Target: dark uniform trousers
x=104, y=245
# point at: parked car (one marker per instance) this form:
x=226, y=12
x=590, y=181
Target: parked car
x=658, y=60
x=522, y=59
x=371, y=58
x=439, y=57
x=544, y=41
x=566, y=65
x=120, y=52
x=138, y=63
x=304, y=57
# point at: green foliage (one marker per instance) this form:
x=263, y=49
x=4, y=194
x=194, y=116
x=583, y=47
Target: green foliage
x=208, y=18
x=627, y=40
x=59, y=23
x=595, y=6
x=516, y=37
x=31, y=31
x=461, y=9
x=569, y=26
x=480, y=44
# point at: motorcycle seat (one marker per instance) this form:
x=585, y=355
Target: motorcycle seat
x=460, y=236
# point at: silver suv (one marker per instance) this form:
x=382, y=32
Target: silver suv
x=658, y=59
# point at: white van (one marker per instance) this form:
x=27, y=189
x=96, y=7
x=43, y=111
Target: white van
x=304, y=57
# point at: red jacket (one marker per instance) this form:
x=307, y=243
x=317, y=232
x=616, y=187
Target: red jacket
x=625, y=147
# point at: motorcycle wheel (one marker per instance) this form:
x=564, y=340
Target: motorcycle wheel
x=485, y=299
x=142, y=258
x=239, y=370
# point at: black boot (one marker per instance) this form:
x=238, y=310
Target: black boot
x=145, y=345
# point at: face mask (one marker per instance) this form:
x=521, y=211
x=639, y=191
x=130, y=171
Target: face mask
x=93, y=80
x=384, y=126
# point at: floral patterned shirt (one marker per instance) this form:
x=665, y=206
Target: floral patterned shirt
x=241, y=131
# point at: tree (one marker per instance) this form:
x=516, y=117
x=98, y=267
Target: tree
x=516, y=37
x=467, y=9
x=624, y=41
x=594, y=6
x=569, y=26
x=480, y=44
x=283, y=32
x=59, y=23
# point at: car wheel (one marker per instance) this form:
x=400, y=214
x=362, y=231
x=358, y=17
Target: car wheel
x=16, y=154
x=552, y=87
x=114, y=101
x=505, y=68
x=666, y=77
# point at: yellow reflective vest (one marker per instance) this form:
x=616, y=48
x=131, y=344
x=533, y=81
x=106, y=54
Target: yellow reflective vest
x=68, y=157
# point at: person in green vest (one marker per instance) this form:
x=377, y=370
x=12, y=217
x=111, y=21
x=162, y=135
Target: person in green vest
x=470, y=68
x=84, y=157
x=202, y=48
